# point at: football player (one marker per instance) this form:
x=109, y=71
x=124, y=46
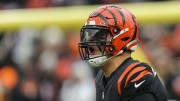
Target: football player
x=107, y=40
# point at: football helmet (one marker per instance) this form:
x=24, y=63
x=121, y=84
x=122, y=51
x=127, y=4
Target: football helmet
x=111, y=30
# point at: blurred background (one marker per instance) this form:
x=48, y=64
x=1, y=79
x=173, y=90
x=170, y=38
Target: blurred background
x=39, y=59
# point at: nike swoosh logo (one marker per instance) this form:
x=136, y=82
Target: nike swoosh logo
x=139, y=84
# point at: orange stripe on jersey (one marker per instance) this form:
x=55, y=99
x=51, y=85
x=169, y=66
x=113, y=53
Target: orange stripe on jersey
x=133, y=72
x=123, y=74
x=142, y=74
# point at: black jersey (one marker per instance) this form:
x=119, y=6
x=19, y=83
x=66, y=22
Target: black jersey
x=131, y=80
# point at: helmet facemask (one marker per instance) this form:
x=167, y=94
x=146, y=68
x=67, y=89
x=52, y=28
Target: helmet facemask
x=93, y=43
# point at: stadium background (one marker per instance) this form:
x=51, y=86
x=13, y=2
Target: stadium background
x=39, y=59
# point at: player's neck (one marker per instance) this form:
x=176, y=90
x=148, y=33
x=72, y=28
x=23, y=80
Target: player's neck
x=114, y=63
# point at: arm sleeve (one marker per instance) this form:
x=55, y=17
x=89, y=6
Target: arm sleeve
x=144, y=97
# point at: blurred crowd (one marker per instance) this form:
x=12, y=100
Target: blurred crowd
x=13, y=4
x=44, y=64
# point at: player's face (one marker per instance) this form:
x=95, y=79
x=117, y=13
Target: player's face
x=93, y=42
x=94, y=50
x=97, y=50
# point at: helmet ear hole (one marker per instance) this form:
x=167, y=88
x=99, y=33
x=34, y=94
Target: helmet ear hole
x=125, y=39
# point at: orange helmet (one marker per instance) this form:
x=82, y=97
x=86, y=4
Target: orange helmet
x=112, y=28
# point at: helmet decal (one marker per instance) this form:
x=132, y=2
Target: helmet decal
x=120, y=12
x=121, y=32
x=114, y=17
x=92, y=22
x=135, y=25
x=101, y=16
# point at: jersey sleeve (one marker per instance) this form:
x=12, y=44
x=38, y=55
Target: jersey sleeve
x=138, y=80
